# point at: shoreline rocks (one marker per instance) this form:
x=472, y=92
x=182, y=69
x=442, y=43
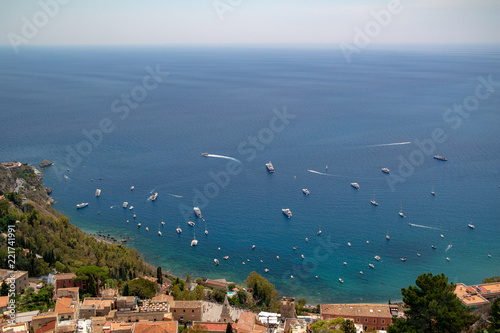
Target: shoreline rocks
x=45, y=163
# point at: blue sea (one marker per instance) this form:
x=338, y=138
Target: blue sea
x=112, y=118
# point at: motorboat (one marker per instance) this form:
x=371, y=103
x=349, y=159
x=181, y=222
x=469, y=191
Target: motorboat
x=355, y=185
x=131, y=207
x=270, y=167
x=386, y=170
x=226, y=257
x=159, y=233
x=82, y=205
x=153, y=196
x=440, y=158
x=147, y=229
x=403, y=259
x=266, y=270
x=97, y=192
x=371, y=265
x=191, y=223
x=132, y=188
x=125, y=204
x=306, y=191
x=194, y=242
x=216, y=262
x=471, y=226
x=179, y=230
x=253, y=247
x=197, y=211
x=377, y=258
x=287, y=212
x=204, y=154
x=138, y=225
x=341, y=281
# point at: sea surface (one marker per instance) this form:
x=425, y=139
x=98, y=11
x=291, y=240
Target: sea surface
x=324, y=123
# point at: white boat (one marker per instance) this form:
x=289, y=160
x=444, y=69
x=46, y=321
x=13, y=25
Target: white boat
x=179, y=230
x=442, y=236
x=377, y=258
x=204, y=154
x=371, y=265
x=270, y=166
x=131, y=207
x=147, y=229
x=418, y=254
x=132, y=188
x=386, y=170
x=138, y=225
x=348, y=244
x=97, y=192
x=191, y=223
x=278, y=257
x=355, y=185
x=341, y=281
x=447, y=258
x=291, y=276
x=162, y=223
x=302, y=256
x=317, y=277
x=243, y=263
x=266, y=270
x=373, y=202
x=206, y=231
x=345, y=263
x=319, y=232
x=226, y=257
x=387, y=237
x=197, y=211
x=216, y=262
x=306, y=191
x=125, y=204
x=361, y=272
x=432, y=192
x=153, y=196
x=402, y=259
x=401, y=211
x=471, y=226
x=287, y=212
x=134, y=216
x=307, y=239
x=194, y=242
x=253, y=247
x=82, y=205
x=159, y=233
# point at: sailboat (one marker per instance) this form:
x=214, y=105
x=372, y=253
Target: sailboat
x=194, y=242
x=206, y=231
x=179, y=230
x=401, y=211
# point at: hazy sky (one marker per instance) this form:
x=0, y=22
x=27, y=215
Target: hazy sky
x=113, y=22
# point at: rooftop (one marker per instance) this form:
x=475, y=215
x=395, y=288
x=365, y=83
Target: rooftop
x=157, y=327
x=490, y=288
x=214, y=327
x=64, y=276
x=64, y=305
x=187, y=304
x=97, y=303
x=469, y=296
x=353, y=310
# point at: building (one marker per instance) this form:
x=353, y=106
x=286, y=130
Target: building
x=161, y=327
x=469, y=296
x=489, y=291
x=296, y=326
x=72, y=292
x=4, y=302
x=225, y=316
x=93, y=307
x=247, y=323
x=136, y=316
x=187, y=310
x=16, y=328
x=287, y=308
x=12, y=166
x=210, y=327
x=20, y=277
x=66, y=309
x=44, y=323
x=65, y=280
x=218, y=283
x=371, y=316
x=126, y=303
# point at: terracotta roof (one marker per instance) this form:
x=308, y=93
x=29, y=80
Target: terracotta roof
x=216, y=283
x=354, y=310
x=246, y=322
x=63, y=305
x=490, y=288
x=4, y=301
x=469, y=296
x=46, y=315
x=162, y=298
x=64, y=276
x=48, y=327
x=187, y=304
x=98, y=303
x=157, y=327
x=73, y=289
x=214, y=327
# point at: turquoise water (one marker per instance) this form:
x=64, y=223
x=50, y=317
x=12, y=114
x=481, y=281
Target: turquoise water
x=354, y=118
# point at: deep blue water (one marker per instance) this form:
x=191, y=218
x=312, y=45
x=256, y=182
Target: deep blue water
x=220, y=100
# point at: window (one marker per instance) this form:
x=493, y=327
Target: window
x=357, y=319
x=184, y=310
x=374, y=321
x=193, y=311
x=366, y=320
x=383, y=321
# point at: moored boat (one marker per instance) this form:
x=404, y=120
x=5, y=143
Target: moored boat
x=270, y=167
x=97, y=192
x=197, y=211
x=306, y=191
x=287, y=212
x=440, y=158
x=82, y=205
x=386, y=170
x=355, y=185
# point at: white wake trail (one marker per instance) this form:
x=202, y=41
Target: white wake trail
x=422, y=226
x=449, y=247
x=176, y=196
x=225, y=157
x=391, y=144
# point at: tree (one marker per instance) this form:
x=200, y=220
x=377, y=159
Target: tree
x=492, y=279
x=348, y=326
x=4, y=290
x=142, y=288
x=324, y=326
x=159, y=275
x=89, y=273
x=495, y=314
x=229, y=328
x=263, y=291
x=199, y=292
x=432, y=307
x=92, y=290
x=231, y=286
x=126, y=291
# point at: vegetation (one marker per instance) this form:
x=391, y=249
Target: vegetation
x=263, y=292
x=327, y=326
x=432, y=307
x=495, y=316
x=44, y=232
x=159, y=275
x=30, y=301
x=229, y=328
x=492, y=279
x=347, y=326
x=142, y=288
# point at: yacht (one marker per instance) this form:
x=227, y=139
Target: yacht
x=471, y=226
x=266, y=270
x=216, y=262
x=147, y=229
x=345, y=263
x=447, y=258
x=278, y=257
x=442, y=236
x=307, y=239
x=206, y=231
x=287, y=212
x=134, y=216
x=386, y=170
x=125, y=204
x=159, y=233
x=294, y=248
x=371, y=265
x=253, y=247
x=432, y=192
x=303, y=257
x=97, y=192
x=418, y=254
x=197, y=211
x=348, y=244
x=132, y=188
x=355, y=185
x=270, y=166
x=306, y=191
x=319, y=232
x=138, y=225
x=402, y=259
x=441, y=158
x=373, y=202
x=387, y=236
x=341, y=281
x=194, y=242
x=82, y=205
x=377, y=258
x=191, y=223
x=317, y=277
x=433, y=247
x=401, y=211
x=131, y=207
x=153, y=196
x=226, y=257
x=179, y=230
x=162, y=223
x=204, y=154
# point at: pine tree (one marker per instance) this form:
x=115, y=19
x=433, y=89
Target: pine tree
x=126, y=291
x=159, y=275
x=4, y=290
x=229, y=328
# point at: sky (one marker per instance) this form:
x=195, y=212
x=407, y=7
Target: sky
x=172, y=22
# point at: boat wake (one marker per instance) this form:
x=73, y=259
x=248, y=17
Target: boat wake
x=225, y=157
x=449, y=247
x=66, y=177
x=391, y=144
x=422, y=226
x=175, y=195
x=326, y=174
